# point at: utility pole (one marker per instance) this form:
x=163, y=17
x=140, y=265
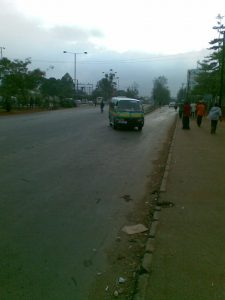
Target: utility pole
x=222, y=70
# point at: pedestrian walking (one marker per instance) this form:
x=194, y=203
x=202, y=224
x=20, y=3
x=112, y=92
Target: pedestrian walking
x=175, y=106
x=200, y=112
x=215, y=114
x=186, y=115
x=102, y=106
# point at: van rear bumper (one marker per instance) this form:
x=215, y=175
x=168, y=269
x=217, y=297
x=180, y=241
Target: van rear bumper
x=131, y=122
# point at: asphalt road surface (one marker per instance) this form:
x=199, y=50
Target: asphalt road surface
x=62, y=176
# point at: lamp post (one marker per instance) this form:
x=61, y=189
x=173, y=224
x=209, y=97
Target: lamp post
x=75, y=66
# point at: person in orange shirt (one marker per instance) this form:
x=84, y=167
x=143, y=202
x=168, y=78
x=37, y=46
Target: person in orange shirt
x=200, y=112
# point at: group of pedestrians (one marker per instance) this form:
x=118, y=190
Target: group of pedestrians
x=198, y=111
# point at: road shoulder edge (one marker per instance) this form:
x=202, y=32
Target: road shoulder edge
x=143, y=279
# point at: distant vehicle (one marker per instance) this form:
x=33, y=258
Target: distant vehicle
x=126, y=112
x=172, y=104
x=78, y=102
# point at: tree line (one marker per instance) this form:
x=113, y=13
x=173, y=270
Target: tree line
x=209, y=80
x=22, y=88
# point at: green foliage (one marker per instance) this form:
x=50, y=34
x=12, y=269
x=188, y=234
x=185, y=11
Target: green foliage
x=106, y=87
x=66, y=86
x=208, y=79
x=21, y=87
x=49, y=87
x=62, y=88
x=67, y=102
x=132, y=92
x=160, y=91
x=18, y=81
x=121, y=93
x=7, y=104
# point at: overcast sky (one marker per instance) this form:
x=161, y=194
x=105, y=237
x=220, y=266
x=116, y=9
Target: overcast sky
x=140, y=40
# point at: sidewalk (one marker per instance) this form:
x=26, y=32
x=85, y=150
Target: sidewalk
x=188, y=259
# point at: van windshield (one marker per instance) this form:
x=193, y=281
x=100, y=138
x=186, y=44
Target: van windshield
x=129, y=105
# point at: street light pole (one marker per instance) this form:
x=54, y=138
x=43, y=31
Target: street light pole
x=75, y=66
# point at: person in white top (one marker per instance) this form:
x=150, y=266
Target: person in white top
x=215, y=114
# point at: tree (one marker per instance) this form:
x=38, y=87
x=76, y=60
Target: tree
x=106, y=87
x=50, y=87
x=54, y=89
x=160, y=91
x=18, y=81
x=66, y=86
x=132, y=92
x=63, y=88
x=209, y=78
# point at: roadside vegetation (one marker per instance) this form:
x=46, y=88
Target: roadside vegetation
x=22, y=89
x=210, y=74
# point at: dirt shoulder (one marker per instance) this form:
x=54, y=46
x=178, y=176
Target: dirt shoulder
x=126, y=254
x=20, y=112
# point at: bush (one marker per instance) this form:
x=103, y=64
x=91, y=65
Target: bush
x=7, y=104
x=67, y=102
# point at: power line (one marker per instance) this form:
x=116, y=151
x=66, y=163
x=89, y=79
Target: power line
x=129, y=60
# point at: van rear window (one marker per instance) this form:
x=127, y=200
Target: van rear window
x=129, y=105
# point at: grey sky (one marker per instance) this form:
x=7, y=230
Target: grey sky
x=132, y=40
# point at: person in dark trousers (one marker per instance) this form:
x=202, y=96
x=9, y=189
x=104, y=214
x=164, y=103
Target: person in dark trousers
x=181, y=108
x=215, y=114
x=102, y=106
x=186, y=115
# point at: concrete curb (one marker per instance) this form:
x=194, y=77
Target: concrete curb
x=143, y=279
x=168, y=163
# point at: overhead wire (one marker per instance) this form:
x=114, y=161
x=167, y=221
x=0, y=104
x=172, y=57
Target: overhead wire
x=128, y=60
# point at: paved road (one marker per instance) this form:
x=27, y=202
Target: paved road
x=63, y=174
